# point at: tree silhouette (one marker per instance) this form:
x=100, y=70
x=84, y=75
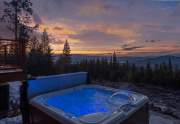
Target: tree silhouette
x=64, y=61
x=148, y=73
x=18, y=14
x=163, y=74
x=45, y=42
x=66, y=50
x=114, y=57
x=40, y=57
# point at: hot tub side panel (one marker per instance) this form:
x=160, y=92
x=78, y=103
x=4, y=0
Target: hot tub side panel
x=39, y=117
x=139, y=117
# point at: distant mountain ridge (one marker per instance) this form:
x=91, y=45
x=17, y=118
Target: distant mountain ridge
x=175, y=60
x=138, y=60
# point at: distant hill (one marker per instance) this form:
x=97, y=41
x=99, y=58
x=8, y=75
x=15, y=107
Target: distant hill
x=159, y=60
x=139, y=60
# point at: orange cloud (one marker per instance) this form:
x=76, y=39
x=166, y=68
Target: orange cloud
x=128, y=34
x=124, y=32
x=53, y=29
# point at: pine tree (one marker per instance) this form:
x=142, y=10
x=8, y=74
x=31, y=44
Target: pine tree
x=66, y=50
x=66, y=57
x=46, y=50
x=141, y=75
x=114, y=58
x=40, y=57
x=45, y=42
x=64, y=61
x=148, y=73
x=170, y=65
x=169, y=71
x=156, y=74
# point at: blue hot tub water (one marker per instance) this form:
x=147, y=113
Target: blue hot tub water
x=83, y=101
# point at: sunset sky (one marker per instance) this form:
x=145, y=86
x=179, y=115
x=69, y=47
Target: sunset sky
x=130, y=27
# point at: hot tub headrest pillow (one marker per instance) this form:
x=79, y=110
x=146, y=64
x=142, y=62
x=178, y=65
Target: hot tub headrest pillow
x=55, y=82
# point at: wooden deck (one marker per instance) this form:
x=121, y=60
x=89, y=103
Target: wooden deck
x=8, y=74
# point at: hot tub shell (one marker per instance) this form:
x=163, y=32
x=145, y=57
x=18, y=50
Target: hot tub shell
x=40, y=113
x=60, y=116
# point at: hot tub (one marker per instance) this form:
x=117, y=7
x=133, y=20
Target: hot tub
x=90, y=104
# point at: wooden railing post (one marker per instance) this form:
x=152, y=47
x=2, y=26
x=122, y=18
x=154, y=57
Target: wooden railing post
x=4, y=100
x=24, y=103
x=5, y=55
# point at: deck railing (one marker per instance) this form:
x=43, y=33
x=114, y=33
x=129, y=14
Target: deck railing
x=8, y=53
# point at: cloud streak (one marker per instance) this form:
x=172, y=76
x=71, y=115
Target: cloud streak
x=105, y=25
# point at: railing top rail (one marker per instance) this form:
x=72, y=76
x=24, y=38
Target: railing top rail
x=8, y=44
x=4, y=39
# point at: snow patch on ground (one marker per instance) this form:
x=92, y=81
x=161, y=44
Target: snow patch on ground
x=157, y=118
